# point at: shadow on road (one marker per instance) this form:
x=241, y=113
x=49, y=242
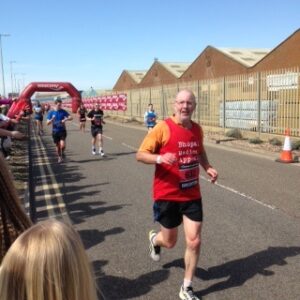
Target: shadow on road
x=114, y=287
x=93, y=237
x=241, y=270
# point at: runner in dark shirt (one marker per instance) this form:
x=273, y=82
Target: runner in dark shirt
x=81, y=112
x=96, y=118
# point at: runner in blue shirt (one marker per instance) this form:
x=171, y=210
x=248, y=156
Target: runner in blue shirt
x=150, y=117
x=58, y=118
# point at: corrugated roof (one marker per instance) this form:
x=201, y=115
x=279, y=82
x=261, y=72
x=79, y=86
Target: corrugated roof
x=247, y=57
x=137, y=76
x=177, y=69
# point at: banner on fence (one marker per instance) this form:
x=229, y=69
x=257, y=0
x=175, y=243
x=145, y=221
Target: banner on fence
x=107, y=102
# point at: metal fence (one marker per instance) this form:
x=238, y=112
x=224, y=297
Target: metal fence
x=263, y=102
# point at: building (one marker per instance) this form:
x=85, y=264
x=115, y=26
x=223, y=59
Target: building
x=285, y=55
x=218, y=62
x=163, y=73
x=129, y=80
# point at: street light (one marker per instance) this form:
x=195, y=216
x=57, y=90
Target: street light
x=11, y=77
x=15, y=81
x=23, y=80
x=1, y=56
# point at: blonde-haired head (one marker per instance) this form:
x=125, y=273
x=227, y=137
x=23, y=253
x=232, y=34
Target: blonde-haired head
x=47, y=262
x=13, y=219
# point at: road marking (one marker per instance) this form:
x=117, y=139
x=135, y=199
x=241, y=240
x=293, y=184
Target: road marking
x=107, y=137
x=240, y=193
x=130, y=147
x=49, y=186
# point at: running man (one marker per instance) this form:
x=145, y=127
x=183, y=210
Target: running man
x=150, y=117
x=96, y=117
x=58, y=118
x=81, y=112
x=176, y=147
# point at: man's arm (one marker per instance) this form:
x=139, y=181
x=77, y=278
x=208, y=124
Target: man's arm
x=90, y=116
x=67, y=118
x=15, y=134
x=50, y=118
x=210, y=171
x=153, y=158
x=148, y=152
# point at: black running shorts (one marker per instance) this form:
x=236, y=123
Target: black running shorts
x=169, y=213
x=59, y=136
x=96, y=130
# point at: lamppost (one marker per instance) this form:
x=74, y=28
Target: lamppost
x=1, y=56
x=23, y=80
x=11, y=77
x=15, y=82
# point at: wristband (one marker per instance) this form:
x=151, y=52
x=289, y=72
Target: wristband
x=158, y=159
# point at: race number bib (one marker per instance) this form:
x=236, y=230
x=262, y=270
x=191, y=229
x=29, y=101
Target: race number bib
x=188, y=175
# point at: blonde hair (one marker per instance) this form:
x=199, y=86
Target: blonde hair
x=13, y=219
x=47, y=262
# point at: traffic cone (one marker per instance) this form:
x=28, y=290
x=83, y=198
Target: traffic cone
x=286, y=155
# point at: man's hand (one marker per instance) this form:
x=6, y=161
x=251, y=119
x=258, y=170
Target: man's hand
x=213, y=174
x=168, y=158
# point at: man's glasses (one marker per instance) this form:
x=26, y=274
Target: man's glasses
x=182, y=103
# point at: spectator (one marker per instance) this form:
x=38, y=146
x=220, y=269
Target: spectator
x=13, y=219
x=4, y=109
x=6, y=132
x=15, y=134
x=47, y=262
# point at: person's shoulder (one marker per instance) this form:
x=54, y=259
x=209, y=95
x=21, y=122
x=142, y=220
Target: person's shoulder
x=64, y=111
x=161, y=127
x=197, y=125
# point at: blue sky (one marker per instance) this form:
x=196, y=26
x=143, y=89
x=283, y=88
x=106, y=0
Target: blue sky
x=89, y=43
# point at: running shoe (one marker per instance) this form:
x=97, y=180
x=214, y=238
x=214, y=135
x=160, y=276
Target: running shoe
x=94, y=151
x=101, y=152
x=154, y=251
x=60, y=159
x=187, y=294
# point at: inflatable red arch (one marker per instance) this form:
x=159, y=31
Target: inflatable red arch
x=24, y=99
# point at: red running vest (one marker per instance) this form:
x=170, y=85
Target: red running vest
x=180, y=182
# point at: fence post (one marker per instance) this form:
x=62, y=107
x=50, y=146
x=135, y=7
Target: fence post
x=224, y=103
x=198, y=102
x=140, y=104
x=258, y=104
x=130, y=96
x=163, y=101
